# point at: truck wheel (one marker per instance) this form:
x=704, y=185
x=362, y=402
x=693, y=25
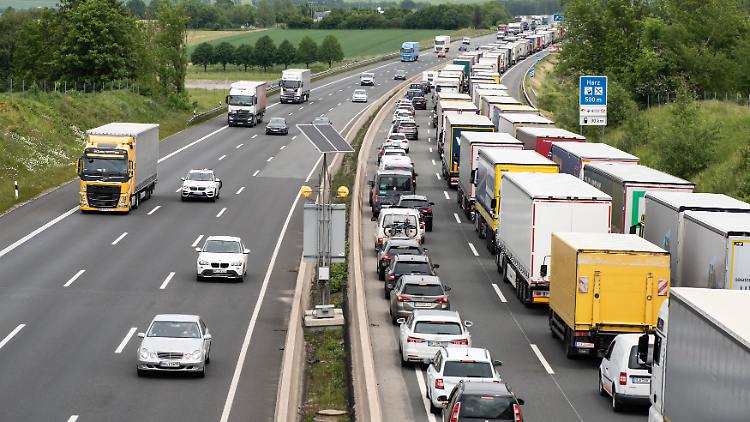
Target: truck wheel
x=136, y=201
x=569, y=350
x=551, y=323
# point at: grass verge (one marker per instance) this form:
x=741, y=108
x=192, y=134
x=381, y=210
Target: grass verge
x=326, y=372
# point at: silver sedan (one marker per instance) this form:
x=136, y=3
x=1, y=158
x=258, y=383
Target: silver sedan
x=174, y=343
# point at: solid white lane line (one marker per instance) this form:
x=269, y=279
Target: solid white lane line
x=120, y=238
x=198, y=239
x=282, y=147
x=125, y=340
x=33, y=234
x=221, y=212
x=433, y=162
x=423, y=393
x=430, y=149
x=499, y=293
x=74, y=278
x=269, y=159
x=154, y=210
x=239, y=191
x=222, y=157
x=239, y=146
x=445, y=192
x=256, y=311
x=166, y=281
x=12, y=334
x=438, y=176
x=458, y=220
x=73, y=418
x=201, y=139
x=294, y=137
x=541, y=358
x=473, y=249
x=256, y=173
x=254, y=136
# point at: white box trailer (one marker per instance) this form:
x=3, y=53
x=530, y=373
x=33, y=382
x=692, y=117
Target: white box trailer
x=664, y=220
x=486, y=103
x=295, y=86
x=443, y=84
x=532, y=207
x=509, y=122
x=471, y=143
x=627, y=184
x=701, y=364
x=715, y=250
x=574, y=156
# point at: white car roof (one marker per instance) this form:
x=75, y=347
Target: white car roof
x=397, y=159
x=435, y=315
x=176, y=318
x=224, y=238
x=466, y=353
x=201, y=171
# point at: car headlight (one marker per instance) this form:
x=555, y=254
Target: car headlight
x=236, y=263
x=144, y=353
x=84, y=200
x=196, y=355
x=202, y=262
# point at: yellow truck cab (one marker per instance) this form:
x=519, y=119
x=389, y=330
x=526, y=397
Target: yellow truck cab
x=602, y=285
x=118, y=167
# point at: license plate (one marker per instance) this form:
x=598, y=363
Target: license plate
x=169, y=364
x=640, y=380
x=220, y=271
x=436, y=343
x=422, y=305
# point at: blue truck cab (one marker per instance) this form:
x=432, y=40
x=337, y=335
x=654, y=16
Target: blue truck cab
x=410, y=51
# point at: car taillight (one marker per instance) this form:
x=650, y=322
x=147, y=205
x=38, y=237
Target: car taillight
x=517, y=413
x=581, y=333
x=439, y=384
x=426, y=211
x=402, y=298
x=380, y=241
x=462, y=342
x=454, y=413
x=623, y=378
x=420, y=340
x=443, y=299
x=391, y=277
x=387, y=257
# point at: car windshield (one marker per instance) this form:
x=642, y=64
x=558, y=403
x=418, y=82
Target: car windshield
x=277, y=121
x=467, y=369
x=487, y=407
x=396, y=137
x=400, y=183
x=392, y=219
x=438, y=327
x=173, y=329
x=422, y=290
x=403, y=250
x=412, y=268
x=200, y=176
x=222, y=246
x=241, y=100
x=408, y=124
x=633, y=360
x=360, y=92
x=413, y=203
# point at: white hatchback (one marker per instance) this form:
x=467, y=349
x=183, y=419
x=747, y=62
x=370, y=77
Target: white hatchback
x=621, y=376
x=398, y=139
x=424, y=332
x=359, y=96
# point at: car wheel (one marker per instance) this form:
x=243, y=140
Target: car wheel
x=386, y=294
x=208, y=357
x=616, y=405
x=435, y=410
x=183, y=199
x=241, y=279
x=202, y=372
x=140, y=372
x=602, y=391
x=381, y=275
x=198, y=277
x=428, y=227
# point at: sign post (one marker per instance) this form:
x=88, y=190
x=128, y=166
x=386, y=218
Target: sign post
x=592, y=101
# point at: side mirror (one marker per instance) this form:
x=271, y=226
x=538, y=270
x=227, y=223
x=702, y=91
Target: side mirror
x=468, y=324
x=197, y=249
x=182, y=178
x=207, y=336
x=370, y=183
x=401, y=321
x=520, y=402
x=643, y=357
x=447, y=288
x=634, y=229
x=473, y=177
x=246, y=251
x=443, y=399
x=497, y=363
x=493, y=203
x=79, y=166
x=373, y=218
x=432, y=203
x=543, y=270
x=226, y=99
x=141, y=335
x=436, y=266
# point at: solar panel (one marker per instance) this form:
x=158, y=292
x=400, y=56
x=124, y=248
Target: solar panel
x=325, y=138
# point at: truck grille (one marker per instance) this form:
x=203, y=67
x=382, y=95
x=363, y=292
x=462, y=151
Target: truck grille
x=219, y=265
x=169, y=355
x=102, y=196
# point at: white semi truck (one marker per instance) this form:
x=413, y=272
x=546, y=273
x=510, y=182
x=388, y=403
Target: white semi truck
x=295, y=86
x=246, y=103
x=442, y=43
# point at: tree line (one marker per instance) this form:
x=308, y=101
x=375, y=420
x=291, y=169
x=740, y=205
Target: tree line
x=97, y=41
x=266, y=54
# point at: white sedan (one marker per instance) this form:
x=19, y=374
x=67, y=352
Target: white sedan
x=174, y=343
x=222, y=257
x=424, y=332
x=359, y=96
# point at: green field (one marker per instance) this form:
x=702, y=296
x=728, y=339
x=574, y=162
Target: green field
x=354, y=42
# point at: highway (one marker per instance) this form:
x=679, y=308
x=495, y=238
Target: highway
x=554, y=387
x=75, y=288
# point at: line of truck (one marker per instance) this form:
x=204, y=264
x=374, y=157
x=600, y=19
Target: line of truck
x=600, y=239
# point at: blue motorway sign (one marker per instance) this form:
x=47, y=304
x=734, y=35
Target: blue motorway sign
x=531, y=72
x=558, y=18
x=593, y=91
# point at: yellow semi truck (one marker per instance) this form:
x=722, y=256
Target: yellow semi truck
x=118, y=167
x=602, y=285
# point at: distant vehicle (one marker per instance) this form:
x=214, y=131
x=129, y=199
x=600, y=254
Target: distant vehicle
x=454, y=364
x=410, y=51
x=400, y=140
x=441, y=54
x=393, y=247
x=201, y=184
x=321, y=120
x=472, y=401
x=465, y=44
x=396, y=223
x=118, y=167
x=424, y=333
x=399, y=74
x=175, y=343
x=409, y=128
x=421, y=204
x=246, y=103
x=367, y=78
x=359, y=96
x=222, y=257
x=406, y=264
x=414, y=292
x=388, y=186
x=419, y=102
x=278, y=126
x=295, y=86
x=621, y=376
x=411, y=93
x=442, y=43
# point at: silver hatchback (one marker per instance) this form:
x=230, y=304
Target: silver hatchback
x=415, y=291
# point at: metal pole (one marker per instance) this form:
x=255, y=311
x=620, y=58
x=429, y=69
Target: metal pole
x=15, y=182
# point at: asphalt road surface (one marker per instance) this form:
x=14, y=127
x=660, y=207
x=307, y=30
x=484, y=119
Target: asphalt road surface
x=74, y=288
x=554, y=387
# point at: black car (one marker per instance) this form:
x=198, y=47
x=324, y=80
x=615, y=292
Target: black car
x=277, y=126
x=421, y=204
x=419, y=103
x=395, y=247
x=406, y=264
x=482, y=401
